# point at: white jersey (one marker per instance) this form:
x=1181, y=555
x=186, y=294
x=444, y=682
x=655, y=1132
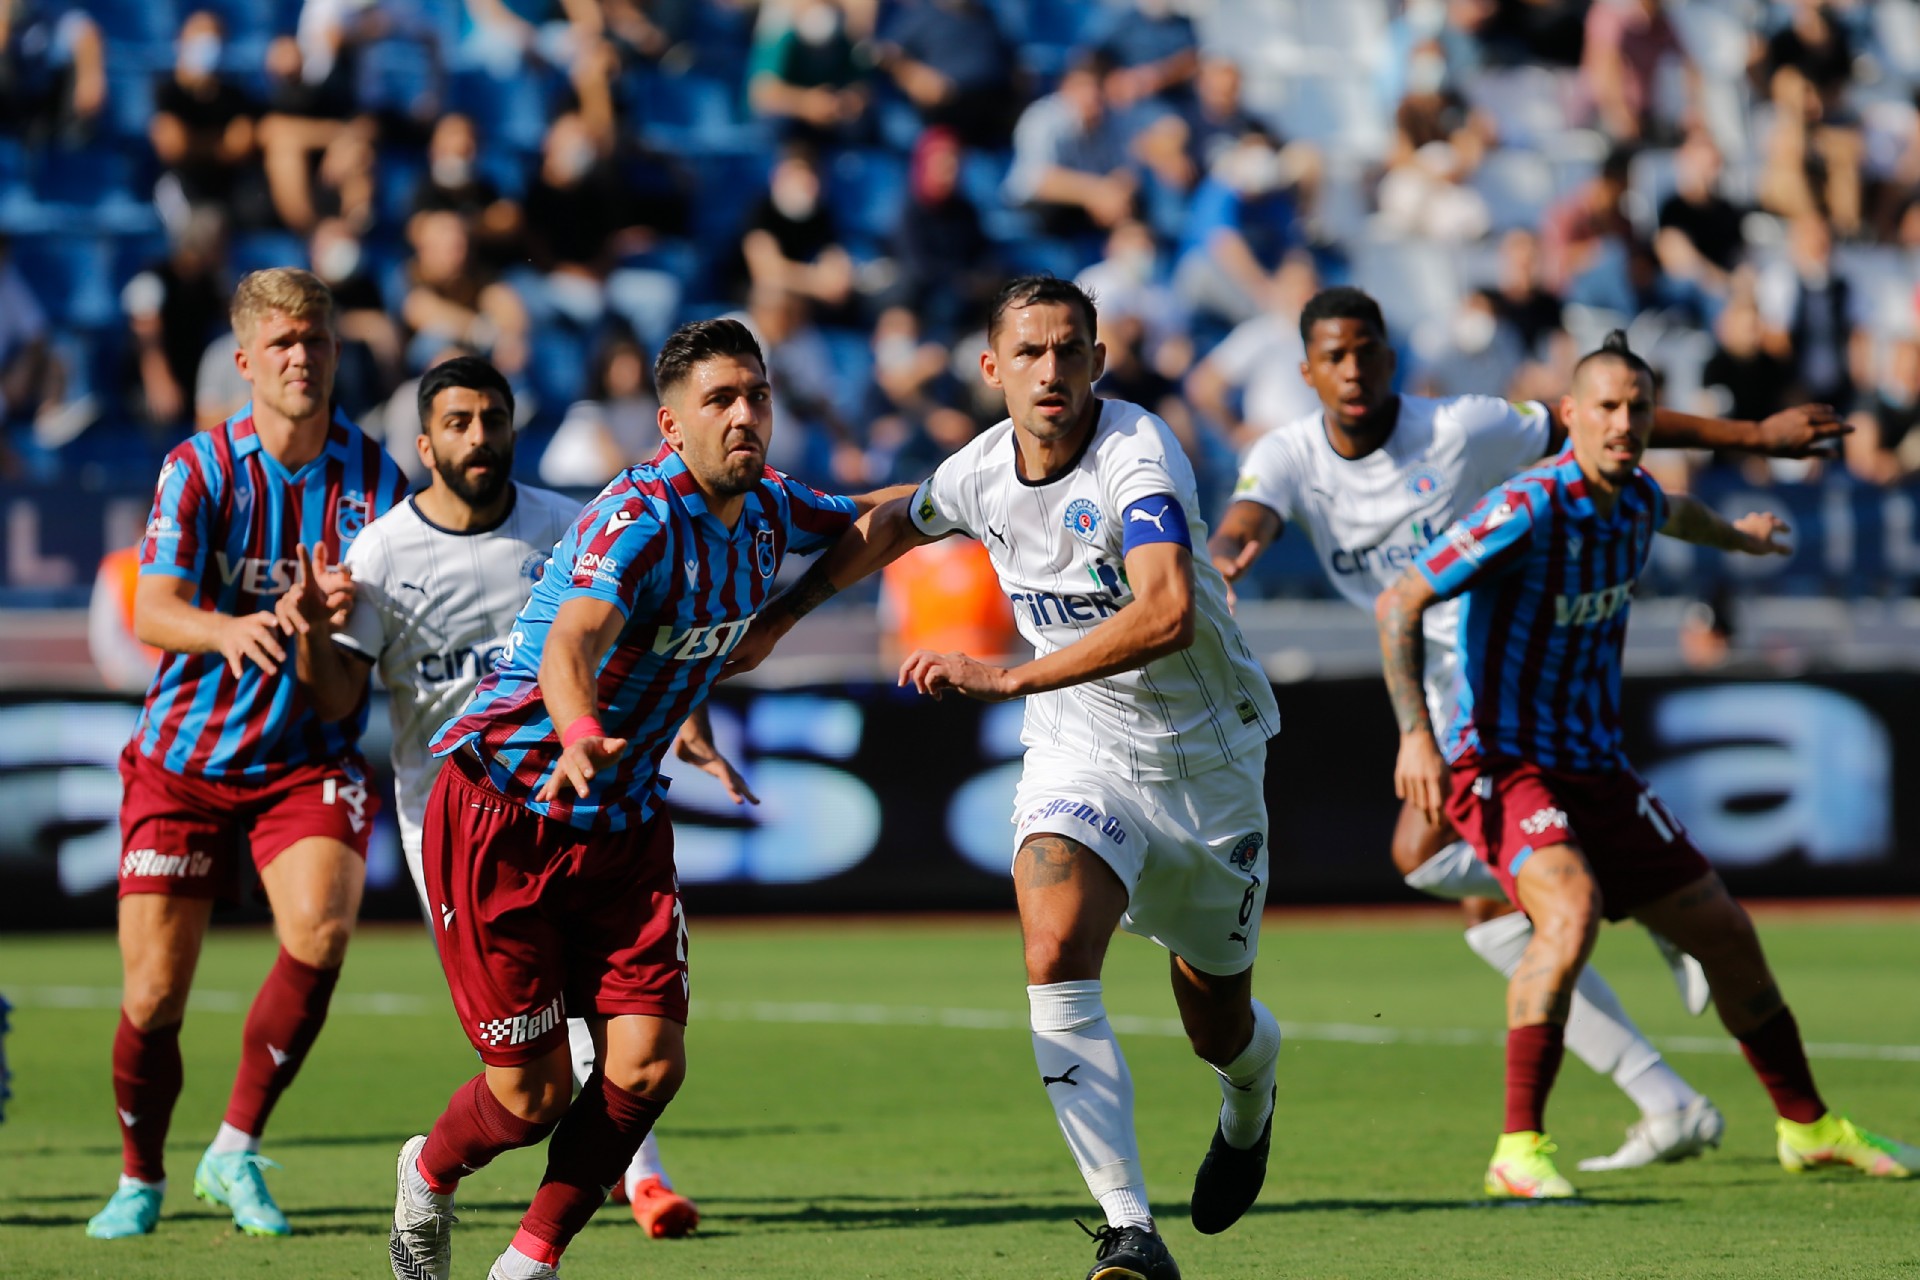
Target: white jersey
x=1370, y=517
x=433, y=608
x=1058, y=548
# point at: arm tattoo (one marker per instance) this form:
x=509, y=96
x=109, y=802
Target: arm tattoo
x=1046, y=861
x=814, y=589
x=1403, y=654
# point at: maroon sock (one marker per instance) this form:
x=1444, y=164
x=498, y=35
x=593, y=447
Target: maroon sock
x=1774, y=1051
x=282, y=1025
x=1533, y=1060
x=473, y=1129
x=591, y=1149
x=146, y=1084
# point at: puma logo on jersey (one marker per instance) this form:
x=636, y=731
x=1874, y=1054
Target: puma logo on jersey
x=1148, y=517
x=412, y=586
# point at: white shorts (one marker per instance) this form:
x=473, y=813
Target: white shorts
x=1192, y=852
x=410, y=843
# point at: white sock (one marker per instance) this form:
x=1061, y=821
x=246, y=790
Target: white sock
x=1455, y=873
x=230, y=1139
x=646, y=1164
x=1246, y=1083
x=420, y=1193
x=580, y=1044
x=1599, y=1032
x=516, y=1265
x=126, y=1182
x=1087, y=1082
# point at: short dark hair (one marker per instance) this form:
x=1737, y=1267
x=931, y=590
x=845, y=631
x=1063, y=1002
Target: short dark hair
x=1342, y=302
x=1027, y=291
x=475, y=373
x=1614, y=348
x=701, y=340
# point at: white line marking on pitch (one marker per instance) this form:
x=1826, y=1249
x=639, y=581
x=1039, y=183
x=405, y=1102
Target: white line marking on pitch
x=827, y=1013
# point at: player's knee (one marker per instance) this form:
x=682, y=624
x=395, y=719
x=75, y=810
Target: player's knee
x=1060, y=958
x=1410, y=850
x=658, y=1078
x=320, y=942
x=534, y=1093
x=153, y=1004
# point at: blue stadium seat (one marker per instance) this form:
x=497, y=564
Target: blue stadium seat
x=511, y=112
x=252, y=18
x=86, y=176
x=395, y=75
x=129, y=95
x=72, y=277
x=867, y=191
x=397, y=174
x=557, y=366
x=852, y=356
x=139, y=22
x=1517, y=186
x=257, y=250
x=688, y=113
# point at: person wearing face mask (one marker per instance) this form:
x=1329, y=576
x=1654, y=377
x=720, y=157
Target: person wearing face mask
x=371, y=361
x=1472, y=349
x=791, y=242
x=945, y=263
x=453, y=183
x=1131, y=285
x=812, y=83
x=1243, y=220
x=202, y=128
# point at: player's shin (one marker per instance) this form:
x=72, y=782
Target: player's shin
x=1087, y=1081
x=1775, y=1052
x=282, y=1025
x=590, y=1150
x=473, y=1129
x=146, y=1084
x=1246, y=1083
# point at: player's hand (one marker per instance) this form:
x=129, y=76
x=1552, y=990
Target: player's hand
x=935, y=673
x=1232, y=567
x=320, y=594
x=578, y=765
x=1762, y=530
x=1420, y=775
x=255, y=638
x=1802, y=431
x=699, y=751
x=753, y=649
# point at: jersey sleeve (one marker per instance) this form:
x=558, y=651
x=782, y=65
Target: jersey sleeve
x=814, y=519
x=940, y=504
x=1149, y=483
x=1503, y=437
x=616, y=554
x=180, y=526
x=366, y=632
x=1268, y=476
x=1484, y=543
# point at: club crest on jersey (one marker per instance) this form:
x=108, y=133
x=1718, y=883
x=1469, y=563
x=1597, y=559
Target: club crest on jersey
x=1423, y=482
x=763, y=551
x=1083, y=518
x=534, y=567
x=352, y=514
x=1247, y=852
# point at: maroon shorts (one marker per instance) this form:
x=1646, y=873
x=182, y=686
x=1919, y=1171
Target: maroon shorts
x=183, y=836
x=1638, y=852
x=538, y=921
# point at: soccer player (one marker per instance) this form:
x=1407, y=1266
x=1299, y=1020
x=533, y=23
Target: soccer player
x=1545, y=566
x=229, y=752
x=1141, y=804
x=1370, y=478
x=438, y=581
x=547, y=853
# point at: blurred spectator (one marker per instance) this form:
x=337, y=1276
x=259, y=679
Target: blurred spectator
x=202, y=130
x=1437, y=145
x=1626, y=41
x=791, y=242
x=945, y=596
x=1259, y=365
x=814, y=439
x=1154, y=51
x=451, y=299
x=173, y=308
x=454, y=183
x=582, y=219
x=1471, y=352
x=125, y=665
x=1243, y=219
x=953, y=63
x=945, y=263
x=1748, y=381
x=1706, y=632
x=1130, y=377
x=219, y=391
x=812, y=78
x=1813, y=316
x=1130, y=282
x=1433, y=45
x=1217, y=118
x=1700, y=240
x=304, y=118
x=53, y=71
x=911, y=405
x=1071, y=162
x=1884, y=446
x=1525, y=304
x=1816, y=148
x=616, y=426
x=1550, y=32
x=31, y=379
x=1587, y=242
x=371, y=356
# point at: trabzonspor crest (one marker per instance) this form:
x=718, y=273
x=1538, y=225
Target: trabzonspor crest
x=351, y=515
x=1083, y=518
x=763, y=551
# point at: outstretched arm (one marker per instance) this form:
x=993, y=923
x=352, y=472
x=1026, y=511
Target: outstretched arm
x=584, y=628
x=1420, y=774
x=1245, y=532
x=1691, y=520
x=1802, y=431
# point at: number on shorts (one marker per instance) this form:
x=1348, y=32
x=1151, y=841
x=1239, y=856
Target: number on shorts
x=1653, y=811
x=1246, y=903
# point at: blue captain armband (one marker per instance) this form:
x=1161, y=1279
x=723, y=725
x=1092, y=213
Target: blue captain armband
x=1158, y=518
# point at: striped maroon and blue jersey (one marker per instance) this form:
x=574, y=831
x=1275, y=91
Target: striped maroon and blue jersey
x=1547, y=582
x=687, y=586
x=227, y=517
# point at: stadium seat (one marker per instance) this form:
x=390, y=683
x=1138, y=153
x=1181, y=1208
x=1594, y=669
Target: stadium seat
x=1526, y=104
x=689, y=113
x=86, y=176
x=129, y=94
x=1517, y=186
x=256, y=250
x=72, y=276
x=1333, y=109
x=512, y=112
x=1650, y=180
x=1413, y=281
x=150, y=23
x=252, y=18
x=557, y=367
x=866, y=190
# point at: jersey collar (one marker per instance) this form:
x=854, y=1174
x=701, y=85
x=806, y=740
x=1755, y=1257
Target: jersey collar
x=246, y=440
x=673, y=469
x=1578, y=503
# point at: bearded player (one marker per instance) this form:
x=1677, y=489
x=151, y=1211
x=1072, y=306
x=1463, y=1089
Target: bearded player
x=438, y=582
x=1369, y=479
x=1534, y=775
x=547, y=852
x=230, y=754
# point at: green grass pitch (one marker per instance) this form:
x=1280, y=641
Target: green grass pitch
x=862, y=1102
